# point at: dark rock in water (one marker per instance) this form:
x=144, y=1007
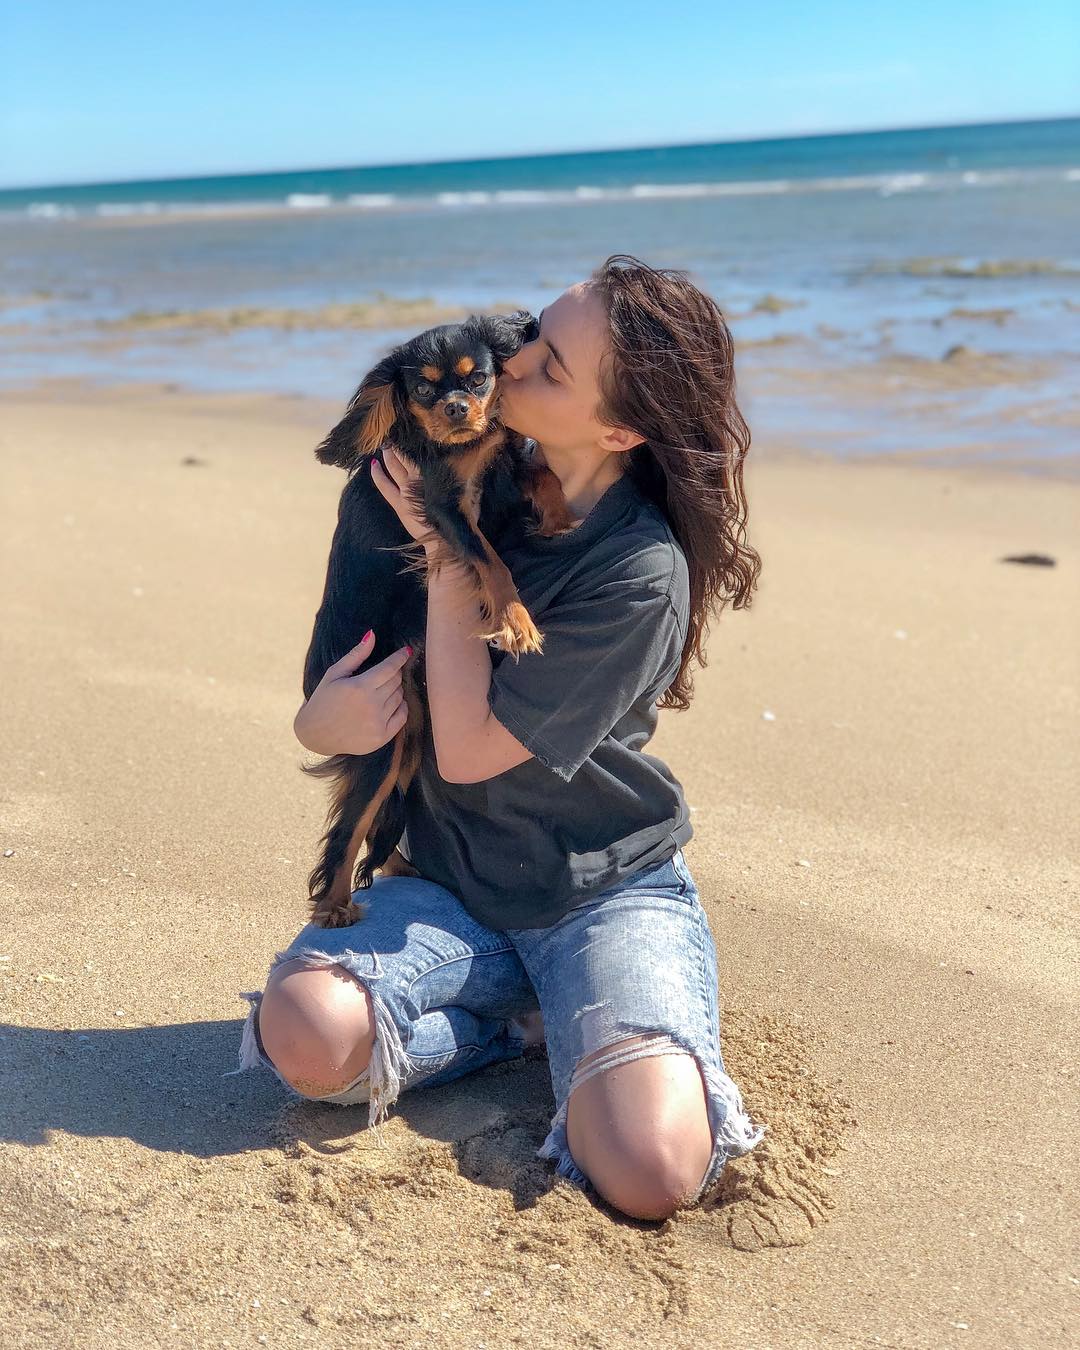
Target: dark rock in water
x=1035, y=559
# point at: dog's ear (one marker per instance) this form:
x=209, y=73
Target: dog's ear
x=505, y=334
x=370, y=418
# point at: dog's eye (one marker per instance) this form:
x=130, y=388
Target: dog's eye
x=477, y=379
x=422, y=387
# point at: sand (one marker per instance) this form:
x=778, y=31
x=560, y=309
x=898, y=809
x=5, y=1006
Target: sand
x=889, y=864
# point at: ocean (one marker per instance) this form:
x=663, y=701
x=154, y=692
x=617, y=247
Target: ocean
x=843, y=253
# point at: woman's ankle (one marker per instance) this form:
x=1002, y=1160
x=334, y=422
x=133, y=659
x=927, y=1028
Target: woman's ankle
x=530, y=1027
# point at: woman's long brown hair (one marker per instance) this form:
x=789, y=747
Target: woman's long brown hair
x=670, y=378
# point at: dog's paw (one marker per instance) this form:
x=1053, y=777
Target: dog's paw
x=516, y=633
x=333, y=915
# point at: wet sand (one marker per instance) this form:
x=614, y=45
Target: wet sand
x=888, y=862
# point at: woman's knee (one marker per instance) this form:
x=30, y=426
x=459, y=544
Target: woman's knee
x=317, y=1026
x=640, y=1132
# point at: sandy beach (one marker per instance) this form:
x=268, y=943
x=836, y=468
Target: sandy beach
x=882, y=761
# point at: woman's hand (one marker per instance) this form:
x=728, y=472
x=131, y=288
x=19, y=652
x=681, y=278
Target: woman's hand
x=350, y=714
x=400, y=486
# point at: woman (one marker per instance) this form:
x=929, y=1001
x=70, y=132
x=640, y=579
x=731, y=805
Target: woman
x=553, y=902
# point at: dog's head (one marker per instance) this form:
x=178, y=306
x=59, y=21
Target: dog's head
x=443, y=382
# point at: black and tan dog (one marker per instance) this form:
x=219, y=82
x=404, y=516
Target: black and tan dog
x=435, y=399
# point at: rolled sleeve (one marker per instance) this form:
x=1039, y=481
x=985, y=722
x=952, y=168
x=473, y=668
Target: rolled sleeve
x=601, y=654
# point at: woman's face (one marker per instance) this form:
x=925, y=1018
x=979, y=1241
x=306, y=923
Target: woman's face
x=549, y=390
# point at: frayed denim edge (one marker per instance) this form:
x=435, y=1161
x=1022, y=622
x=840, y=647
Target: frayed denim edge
x=389, y=1060
x=735, y=1135
x=555, y=1149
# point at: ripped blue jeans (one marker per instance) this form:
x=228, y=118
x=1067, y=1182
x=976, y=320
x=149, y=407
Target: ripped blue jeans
x=636, y=960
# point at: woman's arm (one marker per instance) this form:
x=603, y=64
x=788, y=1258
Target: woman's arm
x=350, y=713
x=470, y=744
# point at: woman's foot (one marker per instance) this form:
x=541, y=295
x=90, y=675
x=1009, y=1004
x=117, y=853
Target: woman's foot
x=530, y=1027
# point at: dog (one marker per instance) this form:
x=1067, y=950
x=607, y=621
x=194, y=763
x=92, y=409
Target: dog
x=435, y=399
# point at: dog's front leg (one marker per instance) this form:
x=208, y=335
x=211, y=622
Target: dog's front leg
x=506, y=621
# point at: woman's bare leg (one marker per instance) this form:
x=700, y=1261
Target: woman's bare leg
x=317, y=1025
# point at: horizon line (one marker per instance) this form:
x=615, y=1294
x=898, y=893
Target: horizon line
x=755, y=138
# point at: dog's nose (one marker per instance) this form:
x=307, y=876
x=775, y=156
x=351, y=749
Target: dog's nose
x=456, y=410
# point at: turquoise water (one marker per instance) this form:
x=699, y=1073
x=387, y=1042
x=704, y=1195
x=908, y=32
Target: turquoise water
x=891, y=159
x=827, y=254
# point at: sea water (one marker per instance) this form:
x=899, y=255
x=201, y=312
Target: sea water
x=826, y=253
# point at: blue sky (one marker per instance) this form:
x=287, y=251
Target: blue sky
x=94, y=90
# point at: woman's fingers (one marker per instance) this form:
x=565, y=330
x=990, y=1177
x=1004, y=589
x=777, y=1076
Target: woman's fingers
x=393, y=702
x=346, y=664
x=393, y=466
x=388, y=670
x=398, y=467
x=379, y=476
x=400, y=485
x=386, y=479
x=398, y=462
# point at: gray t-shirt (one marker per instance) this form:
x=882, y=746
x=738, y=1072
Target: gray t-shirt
x=612, y=600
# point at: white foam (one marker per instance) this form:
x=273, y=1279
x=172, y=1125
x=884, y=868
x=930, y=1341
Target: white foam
x=902, y=182
x=50, y=211
x=885, y=184
x=128, y=208
x=670, y=189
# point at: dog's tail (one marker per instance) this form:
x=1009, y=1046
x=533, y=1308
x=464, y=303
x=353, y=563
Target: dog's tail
x=355, y=809
x=368, y=804
x=388, y=821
